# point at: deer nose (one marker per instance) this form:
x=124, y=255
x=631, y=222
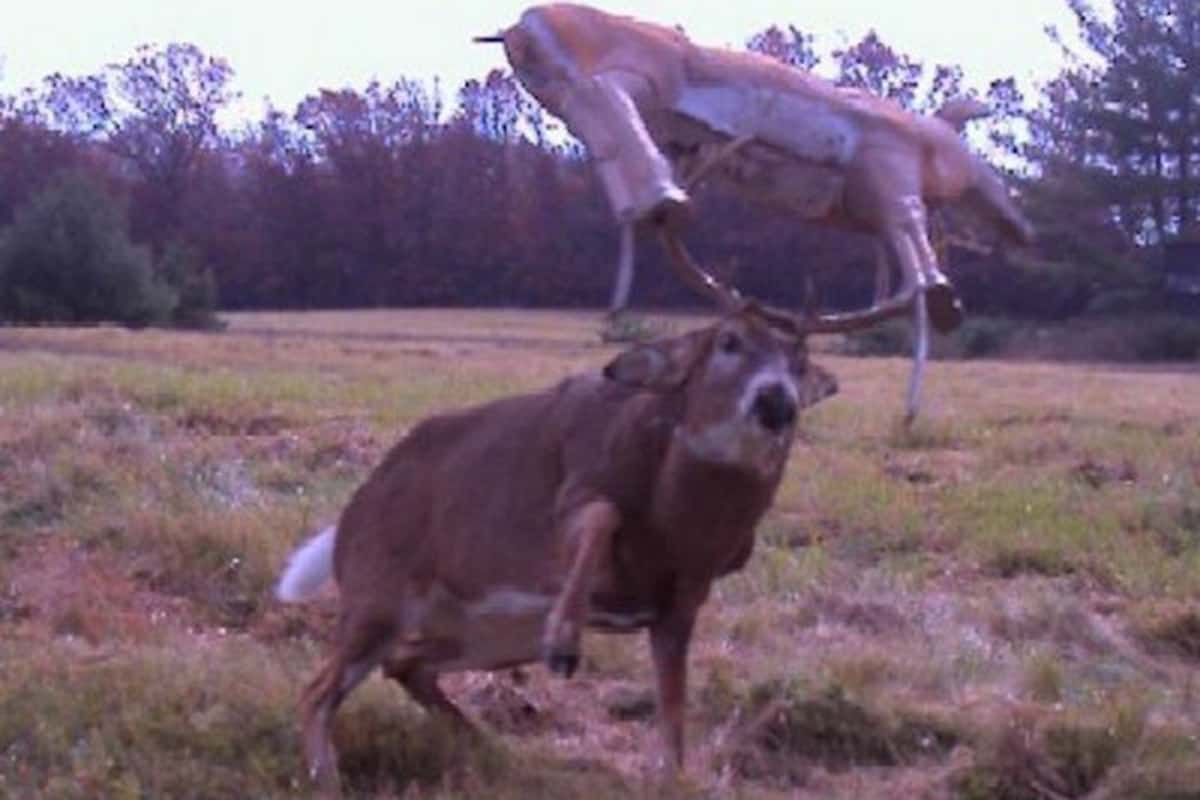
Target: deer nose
x=774, y=407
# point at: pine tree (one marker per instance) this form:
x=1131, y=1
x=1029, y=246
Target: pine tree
x=1124, y=121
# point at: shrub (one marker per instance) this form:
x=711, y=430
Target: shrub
x=792, y=726
x=1031, y=288
x=1166, y=338
x=1125, y=301
x=68, y=258
x=196, y=288
x=983, y=336
x=978, y=337
x=1064, y=757
x=891, y=338
x=1124, y=338
x=628, y=328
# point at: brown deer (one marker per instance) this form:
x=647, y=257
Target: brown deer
x=658, y=113
x=491, y=537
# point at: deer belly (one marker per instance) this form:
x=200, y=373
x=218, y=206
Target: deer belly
x=502, y=628
x=619, y=614
x=761, y=173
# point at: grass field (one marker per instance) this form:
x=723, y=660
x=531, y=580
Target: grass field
x=1002, y=602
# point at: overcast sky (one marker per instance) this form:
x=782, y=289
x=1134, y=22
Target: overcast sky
x=285, y=50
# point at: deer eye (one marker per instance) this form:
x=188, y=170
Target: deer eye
x=729, y=343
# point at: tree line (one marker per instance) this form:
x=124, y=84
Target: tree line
x=395, y=194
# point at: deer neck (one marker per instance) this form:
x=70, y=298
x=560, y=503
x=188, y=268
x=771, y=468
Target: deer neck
x=705, y=511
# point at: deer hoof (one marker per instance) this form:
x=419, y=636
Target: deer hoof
x=560, y=646
x=672, y=212
x=563, y=664
x=944, y=308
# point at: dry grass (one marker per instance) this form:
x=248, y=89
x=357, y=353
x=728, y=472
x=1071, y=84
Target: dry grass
x=1001, y=602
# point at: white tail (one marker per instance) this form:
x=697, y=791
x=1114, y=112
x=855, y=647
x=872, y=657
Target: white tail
x=493, y=536
x=309, y=567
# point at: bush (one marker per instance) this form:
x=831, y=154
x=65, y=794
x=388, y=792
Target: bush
x=1064, y=757
x=792, y=725
x=196, y=289
x=626, y=328
x=1166, y=338
x=68, y=258
x=1125, y=301
x=890, y=338
x=983, y=336
x=1032, y=289
x=978, y=337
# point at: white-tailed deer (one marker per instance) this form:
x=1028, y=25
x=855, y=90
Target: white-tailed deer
x=493, y=536
x=658, y=113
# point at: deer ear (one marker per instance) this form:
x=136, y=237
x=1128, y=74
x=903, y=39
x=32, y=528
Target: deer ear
x=658, y=366
x=816, y=384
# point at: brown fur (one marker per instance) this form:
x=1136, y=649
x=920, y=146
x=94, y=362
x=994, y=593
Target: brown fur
x=589, y=495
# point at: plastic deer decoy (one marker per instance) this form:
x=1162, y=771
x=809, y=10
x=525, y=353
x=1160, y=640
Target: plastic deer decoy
x=659, y=113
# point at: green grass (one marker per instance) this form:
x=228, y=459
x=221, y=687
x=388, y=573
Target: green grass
x=999, y=601
x=189, y=720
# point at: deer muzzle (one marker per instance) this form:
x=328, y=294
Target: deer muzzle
x=774, y=408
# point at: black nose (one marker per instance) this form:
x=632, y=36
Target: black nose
x=774, y=407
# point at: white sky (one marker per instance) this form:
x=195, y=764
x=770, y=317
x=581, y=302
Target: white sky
x=287, y=49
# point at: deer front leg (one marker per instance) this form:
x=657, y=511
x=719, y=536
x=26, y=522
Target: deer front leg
x=637, y=177
x=670, y=637
x=620, y=298
x=602, y=109
x=588, y=533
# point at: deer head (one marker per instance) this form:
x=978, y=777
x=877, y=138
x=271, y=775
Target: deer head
x=742, y=383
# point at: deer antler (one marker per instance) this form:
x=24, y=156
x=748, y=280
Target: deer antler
x=852, y=320
x=696, y=277
x=728, y=299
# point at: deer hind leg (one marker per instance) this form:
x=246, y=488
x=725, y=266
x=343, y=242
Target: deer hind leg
x=421, y=682
x=907, y=254
x=588, y=532
x=944, y=308
x=898, y=240
x=894, y=235
x=364, y=645
x=883, y=273
x=920, y=354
